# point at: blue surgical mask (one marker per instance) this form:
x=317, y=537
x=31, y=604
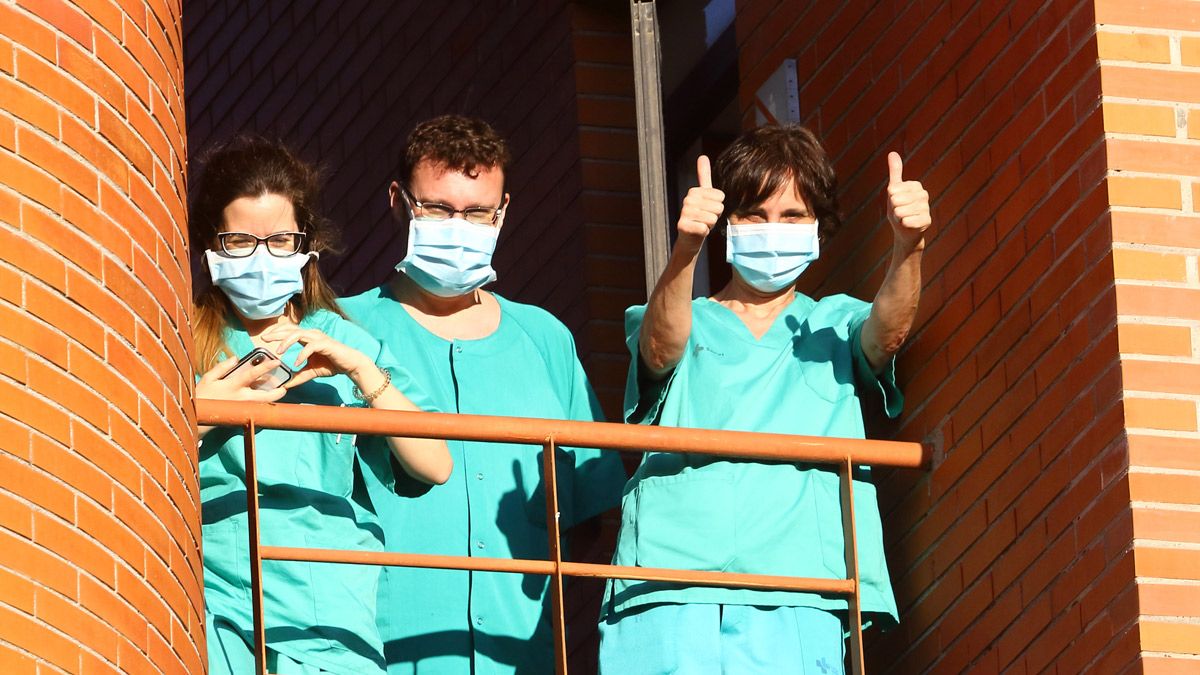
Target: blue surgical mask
x=771, y=256
x=450, y=257
x=260, y=284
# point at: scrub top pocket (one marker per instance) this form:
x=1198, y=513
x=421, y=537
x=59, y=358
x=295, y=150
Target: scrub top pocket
x=825, y=363
x=685, y=522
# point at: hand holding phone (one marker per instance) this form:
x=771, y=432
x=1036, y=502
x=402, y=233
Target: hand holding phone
x=233, y=379
x=272, y=379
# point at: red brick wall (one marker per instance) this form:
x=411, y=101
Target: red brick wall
x=1150, y=67
x=1015, y=550
x=99, y=520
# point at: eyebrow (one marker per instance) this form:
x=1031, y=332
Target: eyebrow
x=759, y=211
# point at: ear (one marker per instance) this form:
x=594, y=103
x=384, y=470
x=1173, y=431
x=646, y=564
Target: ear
x=503, y=211
x=396, y=202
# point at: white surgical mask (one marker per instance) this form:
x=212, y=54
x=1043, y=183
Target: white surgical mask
x=450, y=257
x=770, y=256
x=260, y=284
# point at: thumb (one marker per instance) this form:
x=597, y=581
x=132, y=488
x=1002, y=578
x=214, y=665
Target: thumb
x=895, y=168
x=704, y=171
x=221, y=369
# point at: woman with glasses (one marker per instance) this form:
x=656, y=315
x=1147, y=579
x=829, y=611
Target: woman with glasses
x=757, y=356
x=480, y=353
x=254, y=210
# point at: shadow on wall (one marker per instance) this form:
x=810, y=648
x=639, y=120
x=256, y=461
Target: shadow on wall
x=344, y=82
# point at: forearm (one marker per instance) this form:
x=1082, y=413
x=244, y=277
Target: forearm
x=425, y=459
x=668, y=321
x=895, y=306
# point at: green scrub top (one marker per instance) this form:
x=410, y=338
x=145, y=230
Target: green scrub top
x=493, y=505
x=311, y=495
x=805, y=375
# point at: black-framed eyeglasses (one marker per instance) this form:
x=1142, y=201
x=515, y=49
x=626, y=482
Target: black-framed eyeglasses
x=243, y=244
x=479, y=215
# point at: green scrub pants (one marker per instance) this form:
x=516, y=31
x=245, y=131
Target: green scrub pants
x=697, y=639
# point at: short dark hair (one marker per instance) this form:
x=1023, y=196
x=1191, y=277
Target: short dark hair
x=251, y=166
x=760, y=161
x=459, y=142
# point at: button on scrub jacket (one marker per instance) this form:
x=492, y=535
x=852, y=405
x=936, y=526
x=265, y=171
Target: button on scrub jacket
x=805, y=375
x=316, y=613
x=450, y=621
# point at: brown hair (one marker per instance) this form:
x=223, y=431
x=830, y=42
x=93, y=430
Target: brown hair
x=250, y=166
x=760, y=162
x=459, y=142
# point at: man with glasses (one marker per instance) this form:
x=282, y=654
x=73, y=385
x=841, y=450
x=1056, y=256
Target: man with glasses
x=479, y=353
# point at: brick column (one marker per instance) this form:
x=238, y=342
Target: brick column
x=1150, y=70
x=100, y=564
x=610, y=203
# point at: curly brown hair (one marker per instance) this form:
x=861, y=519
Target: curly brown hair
x=459, y=142
x=251, y=166
x=761, y=161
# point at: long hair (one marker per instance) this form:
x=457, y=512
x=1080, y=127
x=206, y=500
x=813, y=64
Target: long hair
x=760, y=162
x=251, y=166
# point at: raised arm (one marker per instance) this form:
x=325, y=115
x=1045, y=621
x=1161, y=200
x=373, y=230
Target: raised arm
x=895, y=304
x=668, y=321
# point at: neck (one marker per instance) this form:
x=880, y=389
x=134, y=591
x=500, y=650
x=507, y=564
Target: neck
x=408, y=291
x=256, y=326
x=740, y=294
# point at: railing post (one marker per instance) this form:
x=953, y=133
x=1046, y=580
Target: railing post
x=850, y=541
x=256, y=596
x=558, y=618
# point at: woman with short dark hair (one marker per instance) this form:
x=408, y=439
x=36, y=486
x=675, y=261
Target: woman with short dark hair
x=757, y=356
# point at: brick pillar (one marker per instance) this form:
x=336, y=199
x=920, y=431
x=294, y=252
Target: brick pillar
x=1150, y=70
x=99, y=515
x=610, y=204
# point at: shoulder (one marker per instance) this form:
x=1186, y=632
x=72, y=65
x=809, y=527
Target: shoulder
x=358, y=305
x=837, y=310
x=533, y=320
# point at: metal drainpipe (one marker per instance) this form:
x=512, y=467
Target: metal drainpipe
x=647, y=83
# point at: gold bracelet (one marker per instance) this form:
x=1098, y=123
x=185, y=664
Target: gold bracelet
x=367, y=398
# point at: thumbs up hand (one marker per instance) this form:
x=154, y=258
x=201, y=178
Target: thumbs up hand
x=702, y=207
x=908, y=205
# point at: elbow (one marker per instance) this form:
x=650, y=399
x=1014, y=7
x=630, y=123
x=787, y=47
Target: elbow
x=891, y=347
x=658, y=360
x=442, y=475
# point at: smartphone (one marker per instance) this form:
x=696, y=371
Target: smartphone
x=274, y=378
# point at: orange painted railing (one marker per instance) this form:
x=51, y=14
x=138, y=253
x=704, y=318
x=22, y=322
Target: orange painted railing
x=844, y=453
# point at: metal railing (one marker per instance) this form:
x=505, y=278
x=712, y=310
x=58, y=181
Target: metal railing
x=844, y=453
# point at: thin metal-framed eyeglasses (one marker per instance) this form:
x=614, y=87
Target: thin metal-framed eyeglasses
x=479, y=215
x=243, y=244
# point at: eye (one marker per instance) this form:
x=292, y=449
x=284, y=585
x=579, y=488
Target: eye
x=288, y=241
x=437, y=210
x=747, y=218
x=237, y=240
x=480, y=216
x=799, y=219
